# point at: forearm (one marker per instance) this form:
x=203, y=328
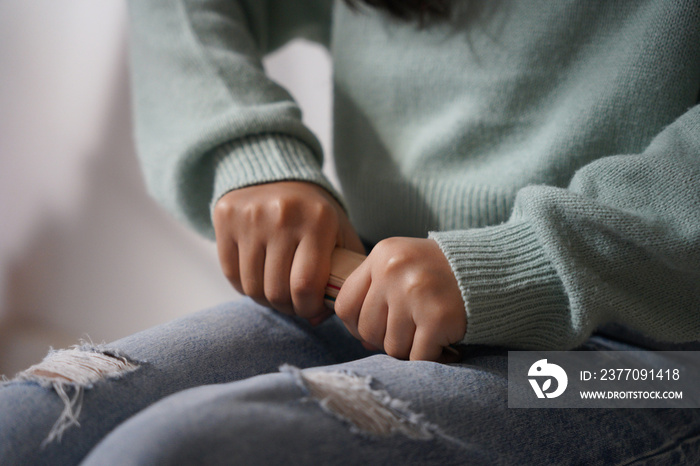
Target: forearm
x=201, y=99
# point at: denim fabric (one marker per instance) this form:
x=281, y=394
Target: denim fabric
x=209, y=391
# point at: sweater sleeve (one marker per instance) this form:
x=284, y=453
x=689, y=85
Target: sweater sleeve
x=620, y=245
x=207, y=119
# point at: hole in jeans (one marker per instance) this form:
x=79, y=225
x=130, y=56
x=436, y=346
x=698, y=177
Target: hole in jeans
x=351, y=398
x=74, y=370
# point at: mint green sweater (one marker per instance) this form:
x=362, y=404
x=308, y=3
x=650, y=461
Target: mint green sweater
x=552, y=149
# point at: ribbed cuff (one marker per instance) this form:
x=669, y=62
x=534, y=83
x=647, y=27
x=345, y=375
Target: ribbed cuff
x=512, y=293
x=266, y=158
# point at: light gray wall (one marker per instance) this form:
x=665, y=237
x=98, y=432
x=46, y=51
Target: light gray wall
x=83, y=250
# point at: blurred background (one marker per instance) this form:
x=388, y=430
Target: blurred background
x=84, y=252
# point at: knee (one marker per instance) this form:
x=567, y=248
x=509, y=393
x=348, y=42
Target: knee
x=256, y=421
x=40, y=407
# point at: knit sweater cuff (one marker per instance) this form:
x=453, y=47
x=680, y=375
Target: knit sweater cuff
x=266, y=158
x=512, y=293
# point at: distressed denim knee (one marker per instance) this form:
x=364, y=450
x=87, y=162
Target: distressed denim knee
x=69, y=373
x=317, y=416
x=56, y=411
x=40, y=404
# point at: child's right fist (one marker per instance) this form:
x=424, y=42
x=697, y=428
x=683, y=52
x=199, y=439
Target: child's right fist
x=275, y=243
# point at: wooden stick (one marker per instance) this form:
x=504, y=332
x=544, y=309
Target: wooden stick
x=343, y=263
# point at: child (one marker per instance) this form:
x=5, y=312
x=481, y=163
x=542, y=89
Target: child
x=528, y=173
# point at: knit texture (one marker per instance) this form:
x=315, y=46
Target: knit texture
x=552, y=149
x=504, y=275
x=265, y=159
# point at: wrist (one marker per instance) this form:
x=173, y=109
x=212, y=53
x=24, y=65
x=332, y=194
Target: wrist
x=266, y=158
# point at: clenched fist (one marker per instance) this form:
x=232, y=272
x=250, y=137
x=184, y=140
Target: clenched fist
x=404, y=299
x=275, y=242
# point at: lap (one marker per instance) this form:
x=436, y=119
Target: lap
x=207, y=389
x=223, y=344
x=381, y=410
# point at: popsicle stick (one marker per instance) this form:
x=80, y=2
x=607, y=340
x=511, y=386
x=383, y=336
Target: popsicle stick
x=343, y=263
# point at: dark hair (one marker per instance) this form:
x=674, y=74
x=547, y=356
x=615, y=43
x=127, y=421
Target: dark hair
x=423, y=10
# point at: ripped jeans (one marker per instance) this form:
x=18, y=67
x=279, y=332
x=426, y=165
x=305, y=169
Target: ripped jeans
x=208, y=389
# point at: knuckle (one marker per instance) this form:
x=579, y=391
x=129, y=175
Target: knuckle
x=394, y=349
x=252, y=287
x=251, y=213
x=230, y=271
x=223, y=213
x=285, y=212
x=417, y=283
x=394, y=265
x=278, y=297
x=370, y=334
x=236, y=284
x=395, y=259
x=280, y=211
x=384, y=247
x=393, y=243
x=303, y=286
x=413, y=283
x=223, y=207
x=322, y=214
x=342, y=310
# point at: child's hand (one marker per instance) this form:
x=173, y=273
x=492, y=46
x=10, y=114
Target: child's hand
x=404, y=298
x=275, y=242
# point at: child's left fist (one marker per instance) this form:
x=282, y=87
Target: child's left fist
x=404, y=298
